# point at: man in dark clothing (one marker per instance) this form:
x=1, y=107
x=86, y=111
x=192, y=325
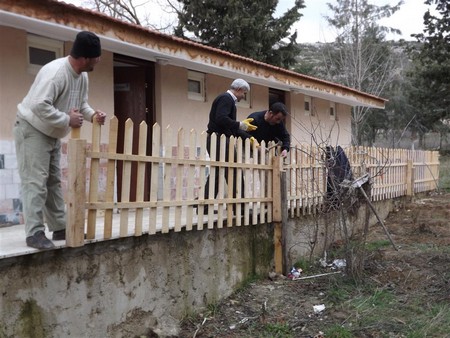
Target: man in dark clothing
x=222, y=120
x=271, y=126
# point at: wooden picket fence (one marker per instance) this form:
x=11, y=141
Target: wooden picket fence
x=161, y=186
x=394, y=173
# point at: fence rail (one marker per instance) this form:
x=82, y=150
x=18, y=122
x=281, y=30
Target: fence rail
x=160, y=187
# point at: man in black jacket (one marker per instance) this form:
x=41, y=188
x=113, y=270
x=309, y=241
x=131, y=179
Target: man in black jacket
x=271, y=126
x=222, y=120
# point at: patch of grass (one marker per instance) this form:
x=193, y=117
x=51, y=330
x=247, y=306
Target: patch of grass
x=303, y=264
x=212, y=309
x=373, y=246
x=429, y=321
x=278, y=330
x=337, y=331
x=444, y=172
x=380, y=310
x=426, y=247
x=340, y=292
x=380, y=298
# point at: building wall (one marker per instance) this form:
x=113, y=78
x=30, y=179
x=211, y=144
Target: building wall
x=181, y=112
x=319, y=128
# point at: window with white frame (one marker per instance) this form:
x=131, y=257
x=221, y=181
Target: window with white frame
x=41, y=51
x=332, y=110
x=196, y=86
x=308, y=106
x=245, y=101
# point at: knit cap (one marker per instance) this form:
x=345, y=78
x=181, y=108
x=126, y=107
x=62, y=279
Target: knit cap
x=87, y=45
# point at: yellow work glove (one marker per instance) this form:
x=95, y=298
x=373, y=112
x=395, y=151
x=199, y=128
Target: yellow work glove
x=253, y=141
x=247, y=125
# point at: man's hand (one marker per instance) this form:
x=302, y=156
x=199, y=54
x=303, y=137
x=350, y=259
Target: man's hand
x=76, y=119
x=284, y=153
x=247, y=125
x=99, y=116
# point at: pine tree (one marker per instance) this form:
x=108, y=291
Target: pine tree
x=244, y=27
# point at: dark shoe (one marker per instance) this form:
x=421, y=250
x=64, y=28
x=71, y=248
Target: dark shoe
x=39, y=241
x=59, y=235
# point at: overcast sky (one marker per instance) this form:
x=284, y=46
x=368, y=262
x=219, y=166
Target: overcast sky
x=312, y=27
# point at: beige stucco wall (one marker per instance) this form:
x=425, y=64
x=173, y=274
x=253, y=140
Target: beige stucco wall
x=174, y=108
x=320, y=128
x=15, y=80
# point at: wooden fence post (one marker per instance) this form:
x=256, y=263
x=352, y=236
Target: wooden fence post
x=277, y=214
x=409, y=178
x=76, y=193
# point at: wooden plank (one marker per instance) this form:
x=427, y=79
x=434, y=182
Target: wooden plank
x=212, y=175
x=263, y=185
x=110, y=176
x=409, y=178
x=293, y=181
x=278, y=248
x=221, y=190
x=140, y=179
x=126, y=177
x=179, y=179
x=156, y=148
x=75, y=133
x=269, y=184
x=255, y=174
x=202, y=180
x=276, y=174
x=167, y=180
x=190, y=179
x=231, y=181
x=246, y=181
x=93, y=180
x=239, y=177
x=76, y=195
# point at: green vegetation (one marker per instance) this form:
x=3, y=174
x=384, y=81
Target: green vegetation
x=337, y=331
x=374, y=246
x=304, y=264
x=374, y=308
x=278, y=330
x=444, y=173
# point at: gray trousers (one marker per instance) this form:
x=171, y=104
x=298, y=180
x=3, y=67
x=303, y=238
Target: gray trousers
x=38, y=157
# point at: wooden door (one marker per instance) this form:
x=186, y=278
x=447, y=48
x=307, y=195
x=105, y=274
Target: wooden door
x=133, y=98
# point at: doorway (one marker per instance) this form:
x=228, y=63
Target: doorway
x=276, y=95
x=133, y=98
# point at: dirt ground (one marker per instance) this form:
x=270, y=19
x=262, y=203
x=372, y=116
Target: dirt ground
x=418, y=273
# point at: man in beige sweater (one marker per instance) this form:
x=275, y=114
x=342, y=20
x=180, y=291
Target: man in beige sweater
x=55, y=103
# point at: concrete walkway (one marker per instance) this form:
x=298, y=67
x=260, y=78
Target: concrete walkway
x=12, y=238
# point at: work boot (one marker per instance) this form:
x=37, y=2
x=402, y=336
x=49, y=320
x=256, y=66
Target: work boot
x=39, y=241
x=59, y=235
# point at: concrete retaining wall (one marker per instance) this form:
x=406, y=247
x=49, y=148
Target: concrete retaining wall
x=133, y=286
